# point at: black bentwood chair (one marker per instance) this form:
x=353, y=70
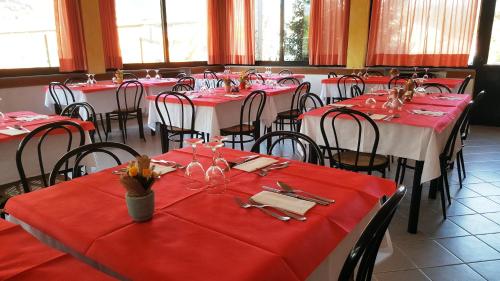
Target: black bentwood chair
x=332, y=74
x=463, y=86
x=308, y=150
x=285, y=72
x=364, y=254
x=397, y=81
x=85, y=112
x=288, y=81
x=291, y=116
x=130, y=76
x=181, y=88
x=254, y=78
x=79, y=153
x=188, y=80
x=128, y=99
x=436, y=88
x=353, y=160
x=81, y=79
x=220, y=83
x=308, y=102
x=61, y=96
x=249, y=125
x=74, y=137
x=186, y=116
x=210, y=79
x=349, y=86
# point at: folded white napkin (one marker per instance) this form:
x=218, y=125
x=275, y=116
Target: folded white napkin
x=32, y=118
x=256, y=164
x=13, y=132
x=284, y=202
x=377, y=116
x=161, y=170
x=233, y=96
x=429, y=113
x=341, y=105
x=446, y=98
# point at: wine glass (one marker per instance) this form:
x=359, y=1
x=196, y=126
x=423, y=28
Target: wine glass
x=93, y=79
x=371, y=102
x=157, y=76
x=214, y=176
x=426, y=75
x=89, y=79
x=220, y=161
x=147, y=74
x=415, y=74
x=194, y=170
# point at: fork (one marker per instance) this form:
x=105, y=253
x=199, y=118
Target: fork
x=247, y=205
x=264, y=171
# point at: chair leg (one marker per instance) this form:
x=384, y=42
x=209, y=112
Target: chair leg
x=122, y=129
x=108, y=123
x=461, y=154
x=405, y=161
x=443, y=202
x=241, y=142
x=446, y=185
x=141, y=125
x=459, y=171
x=232, y=143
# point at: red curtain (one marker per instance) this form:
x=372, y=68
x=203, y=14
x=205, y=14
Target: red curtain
x=111, y=43
x=70, y=40
x=328, y=32
x=421, y=32
x=231, y=32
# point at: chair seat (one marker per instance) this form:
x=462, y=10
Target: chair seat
x=177, y=129
x=294, y=113
x=236, y=129
x=126, y=110
x=348, y=159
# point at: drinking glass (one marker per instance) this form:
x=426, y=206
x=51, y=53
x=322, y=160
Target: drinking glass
x=194, y=170
x=220, y=161
x=415, y=74
x=371, y=102
x=93, y=79
x=157, y=76
x=89, y=79
x=426, y=75
x=147, y=74
x=214, y=176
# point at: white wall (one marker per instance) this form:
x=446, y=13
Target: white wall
x=30, y=98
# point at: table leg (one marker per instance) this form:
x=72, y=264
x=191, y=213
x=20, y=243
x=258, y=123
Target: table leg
x=269, y=140
x=416, y=195
x=433, y=188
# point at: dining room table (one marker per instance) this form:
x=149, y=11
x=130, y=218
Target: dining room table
x=417, y=131
x=14, y=127
x=329, y=88
x=216, y=108
x=235, y=76
x=195, y=235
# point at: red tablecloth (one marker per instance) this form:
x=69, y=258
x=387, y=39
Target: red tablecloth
x=109, y=85
x=460, y=101
x=22, y=257
x=450, y=82
x=236, y=75
x=31, y=125
x=195, y=235
x=218, y=95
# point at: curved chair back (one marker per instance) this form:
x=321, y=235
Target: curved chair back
x=255, y=78
x=251, y=70
x=129, y=96
x=85, y=112
x=210, y=79
x=364, y=253
x=75, y=79
x=309, y=102
x=436, y=87
x=67, y=128
x=332, y=74
x=252, y=108
x=397, y=80
x=129, y=76
x=464, y=130
x=288, y=81
x=300, y=91
x=360, y=121
x=181, y=87
x=465, y=83
x=345, y=86
x=186, y=114
x=187, y=80
x=220, y=83
x=180, y=75
x=61, y=95
x=308, y=150
x=81, y=152
x=449, y=148
x=285, y=72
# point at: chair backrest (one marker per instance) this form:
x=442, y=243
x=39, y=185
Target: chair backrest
x=332, y=74
x=309, y=102
x=220, y=83
x=62, y=128
x=75, y=79
x=85, y=112
x=211, y=79
x=306, y=149
x=288, y=81
x=255, y=78
x=180, y=75
x=464, y=130
x=396, y=80
x=129, y=95
x=345, y=84
x=187, y=111
x=436, y=87
x=361, y=121
x=187, y=80
x=130, y=76
x=252, y=108
x=449, y=148
x=366, y=248
x=181, y=87
x=251, y=70
x=465, y=83
x=301, y=90
x=356, y=91
x=374, y=73
x=285, y=72
x=61, y=95
x=81, y=152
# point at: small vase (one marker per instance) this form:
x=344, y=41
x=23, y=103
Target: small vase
x=227, y=88
x=141, y=208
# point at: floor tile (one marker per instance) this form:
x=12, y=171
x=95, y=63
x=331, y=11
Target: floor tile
x=460, y=272
x=484, y=189
x=495, y=198
x=427, y=253
x=469, y=249
x=480, y=204
x=491, y=239
x=488, y=269
x=476, y=224
x=455, y=209
x=397, y=261
x=493, y=217
x=487, y=176
x=464, y=192
x=408, y=275
x=439, y=228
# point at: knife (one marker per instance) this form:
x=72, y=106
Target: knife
x=294, y=195
x=288, y=188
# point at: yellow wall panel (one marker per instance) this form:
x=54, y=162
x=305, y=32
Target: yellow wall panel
x=358, y=33
x=93, y=36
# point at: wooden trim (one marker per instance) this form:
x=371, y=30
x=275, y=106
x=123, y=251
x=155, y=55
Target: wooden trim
x=15, y=72
x=164, y=27
x=485, y=26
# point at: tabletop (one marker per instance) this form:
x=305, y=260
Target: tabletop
x=450, y=82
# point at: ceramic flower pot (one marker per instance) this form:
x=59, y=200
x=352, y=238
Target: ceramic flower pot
x=141, y=208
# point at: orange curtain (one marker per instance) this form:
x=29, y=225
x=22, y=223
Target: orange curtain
x=231, y=32
x=70, y=40
x=328, y=32
x=112, y=53
x=421, y=32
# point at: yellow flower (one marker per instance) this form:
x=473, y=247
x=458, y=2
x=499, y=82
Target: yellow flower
x=146, y=172
x=132, y=171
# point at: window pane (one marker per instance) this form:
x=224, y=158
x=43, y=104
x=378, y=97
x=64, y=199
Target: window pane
x=296, y=30
x=267, y=30
x=187, y=30
x=27, y=33
x=140, y=32
x=494, y=55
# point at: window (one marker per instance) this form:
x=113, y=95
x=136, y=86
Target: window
x=187, y=30
x=283, y=37
x=494, y=53
x=140, y=31
x=27, y=33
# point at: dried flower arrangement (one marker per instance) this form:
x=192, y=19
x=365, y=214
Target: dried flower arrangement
x=139, y=177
